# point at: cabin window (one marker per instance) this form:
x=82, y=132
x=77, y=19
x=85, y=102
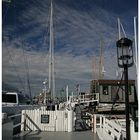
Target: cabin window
x=9, y=98
x=22, y=99
x=131, y=90
x=117, y=93
x=105, y=90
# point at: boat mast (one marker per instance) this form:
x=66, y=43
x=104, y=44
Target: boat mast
x=94, y=69
x=136, y=46
x=100, y=62
x=103, y=67
x=51, y=56
x=136, y=53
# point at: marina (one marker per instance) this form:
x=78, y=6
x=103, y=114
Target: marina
x=52, y=106
x=68, y=121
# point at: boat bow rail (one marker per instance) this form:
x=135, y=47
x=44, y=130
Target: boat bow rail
x=110, y=129
x=105, y=128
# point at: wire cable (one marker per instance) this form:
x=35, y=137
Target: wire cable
x=116, y=98
x=4, y=16
x=15, y=68
x=9, y=53
x=26, y=64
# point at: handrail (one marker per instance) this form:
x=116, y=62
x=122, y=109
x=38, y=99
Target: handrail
x=16, y=125
x=12, y=116
x=109, y=126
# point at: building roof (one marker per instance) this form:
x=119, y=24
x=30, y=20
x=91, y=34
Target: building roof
x=102, y=81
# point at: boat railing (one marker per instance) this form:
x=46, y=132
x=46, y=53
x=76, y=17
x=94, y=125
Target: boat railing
x=95, y=121
x=104, y=127
x=10, y=125
x=88, y=97
x=14, y=117
x=47, y=120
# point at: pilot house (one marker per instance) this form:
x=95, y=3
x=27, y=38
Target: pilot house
x=111, y=90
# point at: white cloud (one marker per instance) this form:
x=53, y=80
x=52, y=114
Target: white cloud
x=78, y=35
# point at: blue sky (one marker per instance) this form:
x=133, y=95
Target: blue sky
x=80, y=25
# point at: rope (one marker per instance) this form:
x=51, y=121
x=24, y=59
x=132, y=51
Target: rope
x=27, y=72
x=45, y=42
x=10, y=56
x=9, y=2
x=116, y=98
x=15, y=69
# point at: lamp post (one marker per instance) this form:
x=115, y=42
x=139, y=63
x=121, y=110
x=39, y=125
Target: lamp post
x=125, y=60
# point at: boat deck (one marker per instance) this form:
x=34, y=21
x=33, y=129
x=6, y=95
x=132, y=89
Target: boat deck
x=80, y=135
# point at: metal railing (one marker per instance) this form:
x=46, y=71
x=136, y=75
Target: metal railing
x=13, y=117
x=112, y=129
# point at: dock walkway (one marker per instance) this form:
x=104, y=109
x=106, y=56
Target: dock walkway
x=82, y=135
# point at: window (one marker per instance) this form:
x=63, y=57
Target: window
x=105, y=90
x=117, y=93
x=131, y=90
x=9, y=98
x=23, y=99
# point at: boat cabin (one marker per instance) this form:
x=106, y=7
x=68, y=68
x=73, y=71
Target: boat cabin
x=111, y=90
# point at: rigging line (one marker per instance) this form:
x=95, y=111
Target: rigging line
x=54, y=33
x=123, y=30
x=117, y=93
x=45, y=42
x=27, y=72
x=118, y=88
x=28, y=80
x=6, y=12
x=10, y=56
x=15, y=69
x=47, y=29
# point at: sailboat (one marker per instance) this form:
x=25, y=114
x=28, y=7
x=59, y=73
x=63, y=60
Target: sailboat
x=41, y=121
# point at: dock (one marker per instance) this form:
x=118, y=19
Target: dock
x=81, y=135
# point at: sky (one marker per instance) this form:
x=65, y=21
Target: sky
x=80, y=26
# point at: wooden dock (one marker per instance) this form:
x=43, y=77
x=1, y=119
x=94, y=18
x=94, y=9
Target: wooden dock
x=81, y=135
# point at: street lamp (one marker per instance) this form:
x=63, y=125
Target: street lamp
x=124, y=52
x=125, y=60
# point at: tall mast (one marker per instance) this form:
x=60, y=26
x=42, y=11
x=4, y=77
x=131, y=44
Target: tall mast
x=94, y=68
x=51, y=56
x=103, y=68
x=119, y=28
x=136, y=46
x=100, y=61
x=136, y=52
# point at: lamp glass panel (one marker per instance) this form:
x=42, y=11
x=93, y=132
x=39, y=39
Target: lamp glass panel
x=125, y=51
